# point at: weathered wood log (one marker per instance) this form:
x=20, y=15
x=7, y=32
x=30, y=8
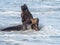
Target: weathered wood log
x=13, y=28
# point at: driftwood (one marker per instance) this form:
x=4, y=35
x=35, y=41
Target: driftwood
x=27, y=19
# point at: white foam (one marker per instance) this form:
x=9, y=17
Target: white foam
x=45, y=30
x=49, y=30
x=29, y=36
x=8, y=12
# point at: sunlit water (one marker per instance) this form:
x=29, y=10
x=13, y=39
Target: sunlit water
x=48, y=12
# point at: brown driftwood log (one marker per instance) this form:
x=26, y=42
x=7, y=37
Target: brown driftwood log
x=27, y=18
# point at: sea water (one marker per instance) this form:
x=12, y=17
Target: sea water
x=48, y=12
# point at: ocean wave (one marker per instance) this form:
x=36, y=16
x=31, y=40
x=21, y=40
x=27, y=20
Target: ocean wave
x=45, y=30
x=9, y=12
x=16, y=12
x=46, y=34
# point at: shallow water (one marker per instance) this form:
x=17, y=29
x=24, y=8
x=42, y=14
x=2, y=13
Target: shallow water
x=48, y=12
